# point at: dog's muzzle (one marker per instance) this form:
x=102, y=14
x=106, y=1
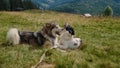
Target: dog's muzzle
x=81, y=42
x=57, y=32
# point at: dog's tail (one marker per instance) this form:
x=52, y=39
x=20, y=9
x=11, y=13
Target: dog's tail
x=13, y=36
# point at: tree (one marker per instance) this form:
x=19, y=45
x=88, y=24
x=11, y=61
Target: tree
x=7, y=4
x=15, y=4
x=28, y=4
x=4, y=5
x=108, y=11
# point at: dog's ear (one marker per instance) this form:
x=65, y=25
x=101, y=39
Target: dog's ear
x=69, y=29
x=48, y=25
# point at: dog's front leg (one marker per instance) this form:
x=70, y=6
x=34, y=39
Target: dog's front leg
x=55, y=43
x=52, y=41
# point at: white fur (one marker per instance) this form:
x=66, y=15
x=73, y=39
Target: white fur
x=67, y=41
x=13, y=36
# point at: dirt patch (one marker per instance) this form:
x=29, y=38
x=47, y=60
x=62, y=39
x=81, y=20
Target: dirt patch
x=46, y=65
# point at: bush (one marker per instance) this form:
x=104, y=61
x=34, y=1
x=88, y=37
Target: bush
x=108, y=11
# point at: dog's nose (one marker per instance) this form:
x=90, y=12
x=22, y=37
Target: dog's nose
x=81, y=42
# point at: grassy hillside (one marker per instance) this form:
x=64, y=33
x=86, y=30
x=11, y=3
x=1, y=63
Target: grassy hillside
x=101, y=41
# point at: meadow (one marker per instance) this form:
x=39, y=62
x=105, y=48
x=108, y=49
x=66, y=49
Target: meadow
x=100, y=35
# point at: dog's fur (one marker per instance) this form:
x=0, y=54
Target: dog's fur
x=67, y=41
x=13, y=36
x=48, y=33
x=69, y=28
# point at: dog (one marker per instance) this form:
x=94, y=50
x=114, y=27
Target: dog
x=49, y=32
x=67, y=41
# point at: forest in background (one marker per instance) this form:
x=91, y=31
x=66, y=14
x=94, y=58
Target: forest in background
x=16, y=5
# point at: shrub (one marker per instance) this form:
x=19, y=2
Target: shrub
x=108, y=11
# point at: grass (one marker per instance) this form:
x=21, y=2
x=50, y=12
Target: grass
x=101, y=41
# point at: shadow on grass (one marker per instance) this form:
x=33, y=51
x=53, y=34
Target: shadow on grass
x=35, y=47
x=5, y=44
x=31, y=47
x=83, y=46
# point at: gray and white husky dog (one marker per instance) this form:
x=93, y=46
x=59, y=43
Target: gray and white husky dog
x=49, y=32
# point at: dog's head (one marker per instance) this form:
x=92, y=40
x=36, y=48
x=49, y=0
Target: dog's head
x=52, y=29
x=69, y=29
x=68, y=32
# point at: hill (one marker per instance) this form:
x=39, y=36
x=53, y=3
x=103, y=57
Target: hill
x=101, y=45
x=47, y=4
x=95, y=7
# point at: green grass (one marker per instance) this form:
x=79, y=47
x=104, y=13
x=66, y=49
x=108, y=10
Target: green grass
x=101, y=41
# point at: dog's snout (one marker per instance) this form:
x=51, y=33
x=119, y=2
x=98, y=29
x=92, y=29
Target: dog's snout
x=81, y=41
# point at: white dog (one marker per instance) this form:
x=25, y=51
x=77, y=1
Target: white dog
x=67, y=41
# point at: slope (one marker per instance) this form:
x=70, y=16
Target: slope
x=101, y=45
